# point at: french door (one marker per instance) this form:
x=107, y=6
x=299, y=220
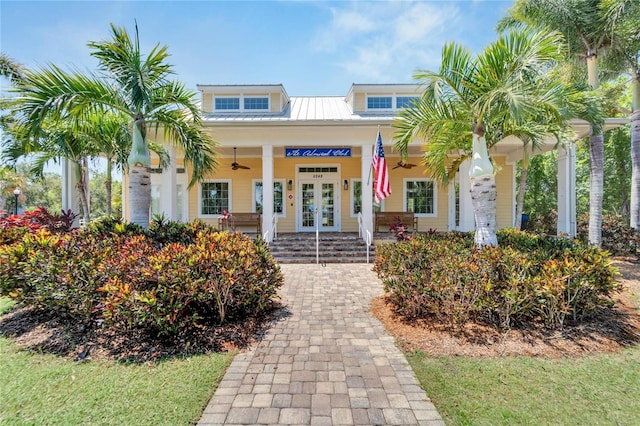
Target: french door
x=318, y=205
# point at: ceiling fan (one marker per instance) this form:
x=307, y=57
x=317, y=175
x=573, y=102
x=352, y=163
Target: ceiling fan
x=235, y=165
x=404, y=165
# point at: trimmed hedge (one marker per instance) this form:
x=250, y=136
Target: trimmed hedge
x=527, y=279
x=171, y=277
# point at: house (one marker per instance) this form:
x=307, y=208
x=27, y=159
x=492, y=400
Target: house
x=304, y=162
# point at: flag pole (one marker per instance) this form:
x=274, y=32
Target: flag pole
x=371, y=164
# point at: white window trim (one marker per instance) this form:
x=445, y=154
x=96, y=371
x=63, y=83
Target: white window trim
x=230, y=206
x=435, y=195
x=284, y=196
x=241, y=99
x=394, y=100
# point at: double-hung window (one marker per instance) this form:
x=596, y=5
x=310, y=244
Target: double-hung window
x=420, y=197
x=215, y=197
x=278, y=197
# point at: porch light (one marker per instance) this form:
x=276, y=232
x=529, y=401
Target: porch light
x=16, y=193
x=345, y=185
x=289, y=185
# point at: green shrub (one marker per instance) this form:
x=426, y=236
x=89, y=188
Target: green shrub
x=128, y=278
x=528, y=278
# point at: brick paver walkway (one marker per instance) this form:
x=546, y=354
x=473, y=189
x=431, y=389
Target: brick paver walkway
x=328, y=362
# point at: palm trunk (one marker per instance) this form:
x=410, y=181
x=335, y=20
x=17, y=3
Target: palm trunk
x=139, y=175
x=635, y=153
x=108, y=186
x=596, y=167
x=522, y=185
x=596, y=153
x=483, y=191
x=81, y=186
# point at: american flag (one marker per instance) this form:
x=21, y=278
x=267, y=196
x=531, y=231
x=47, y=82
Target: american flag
x=381, y=186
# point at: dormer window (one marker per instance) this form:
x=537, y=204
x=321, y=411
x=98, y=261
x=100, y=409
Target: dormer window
x=227, y=104
x=405, y=101
x=379, y=102
x=261, y=103
x=389, y=102
x=241, y=103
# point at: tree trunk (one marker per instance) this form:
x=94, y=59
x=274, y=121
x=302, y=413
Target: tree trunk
x=596, y=169
x=108, y=187
x=81, y=187
x=139, y=195
x=483, y=191
x=635, y=153
x=139, y=175
x=522, y=185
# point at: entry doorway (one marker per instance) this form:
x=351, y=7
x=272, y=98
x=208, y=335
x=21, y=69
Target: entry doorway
x=318, y=195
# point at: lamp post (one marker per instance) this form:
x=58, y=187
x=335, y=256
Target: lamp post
x=16, y=193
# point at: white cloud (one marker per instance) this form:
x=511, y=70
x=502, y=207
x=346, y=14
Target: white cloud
x=386, y=41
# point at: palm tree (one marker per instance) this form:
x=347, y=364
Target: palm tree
x=489, y=96
x=56, y=140
x=585, y=26
x=136, y=86
x=624, y=18
x=10, y=68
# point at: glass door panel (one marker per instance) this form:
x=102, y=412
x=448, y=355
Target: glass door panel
x=308, y=205
x=328, y=205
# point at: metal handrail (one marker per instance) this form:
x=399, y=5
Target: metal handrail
x=364, y=233
x=275, y=226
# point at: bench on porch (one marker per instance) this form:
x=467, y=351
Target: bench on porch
x=408, y=219
x=240, y=219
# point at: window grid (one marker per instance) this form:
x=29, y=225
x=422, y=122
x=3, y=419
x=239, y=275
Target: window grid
x=214, y=198
x=405, y=101
x=256, y=103
x=228, y=104
x=379, y=102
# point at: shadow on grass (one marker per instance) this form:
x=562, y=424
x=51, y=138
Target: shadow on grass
x=45, y=332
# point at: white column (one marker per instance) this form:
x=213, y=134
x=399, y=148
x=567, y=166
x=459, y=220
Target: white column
x=567, y=191
x=367, y=188
x=267, y=191
x=70, y=197
x=168, y=195
x=467, y=219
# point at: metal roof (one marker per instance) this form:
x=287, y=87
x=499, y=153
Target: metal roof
x=302, y=110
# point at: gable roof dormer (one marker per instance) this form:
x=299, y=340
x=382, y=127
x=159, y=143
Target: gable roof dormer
x=381, y=98
x=255, y=99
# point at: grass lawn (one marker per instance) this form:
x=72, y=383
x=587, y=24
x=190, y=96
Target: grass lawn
x=595, y=390
x=45, y=389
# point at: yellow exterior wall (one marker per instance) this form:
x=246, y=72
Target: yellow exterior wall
x=275, y=103
x=360, y=102
x=207, y=102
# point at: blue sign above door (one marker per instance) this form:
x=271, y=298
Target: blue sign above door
x=317, y=152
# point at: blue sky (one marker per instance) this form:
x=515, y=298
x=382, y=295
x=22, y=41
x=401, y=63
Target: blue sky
x=311, y=47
